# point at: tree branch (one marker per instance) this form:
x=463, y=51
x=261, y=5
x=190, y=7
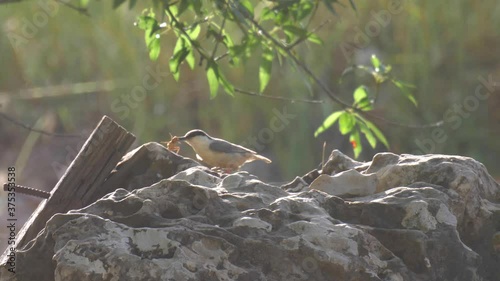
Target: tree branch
x=276, y=97
x=320, y=83
x=82, y=11
x=178, y=25
x=217, y=40
x=411, y=126
x=296, y=60
x=29, y=128
x=8, y=1
x=302, y=39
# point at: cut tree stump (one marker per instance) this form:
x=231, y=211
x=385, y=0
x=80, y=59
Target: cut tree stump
x=98, y=157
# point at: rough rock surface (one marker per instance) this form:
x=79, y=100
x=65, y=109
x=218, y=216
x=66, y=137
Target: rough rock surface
x=432, y=217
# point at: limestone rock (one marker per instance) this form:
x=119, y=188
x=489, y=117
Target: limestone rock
x=431, y=217
x=338, y=162
x=350, y=182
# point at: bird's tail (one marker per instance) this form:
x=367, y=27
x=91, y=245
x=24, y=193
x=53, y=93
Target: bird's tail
x=260, y=157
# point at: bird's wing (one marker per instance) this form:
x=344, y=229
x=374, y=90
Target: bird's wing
x=224, y=146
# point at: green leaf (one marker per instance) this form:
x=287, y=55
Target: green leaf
x=194, y=31
x=174, y=60
x=365, y=104
x=314, y=38
x=380, y=136
x=361, y=99
x=179, y=45
x=368, y=134
x=267, y=14
x=385, y=69
x=360, y=93
x=174, y=10
x=404, y=89
x=304, y=9
x=244, y=50
x=227, y=40
x=152, y=38
x=375, y=62
x=407, y=85
x=266, y=65
x=238, y=11
x=293, y=31
x=236, y=52
x=181, y=52
x=146, y=22
x=329, y=121
x=154, y=49
x=196, y=7
x=173, y=64
x=213, y=79
x=228, y=87
x=183, y=6
x=85, y=3
x=355, y=141
x=190, y=59
x=346, y=122
x=379, y=77
x=248, y=6
x=176, y=76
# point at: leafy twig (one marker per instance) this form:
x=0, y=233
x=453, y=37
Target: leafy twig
x=199, y=49
x=323, y=87
x=298, y=62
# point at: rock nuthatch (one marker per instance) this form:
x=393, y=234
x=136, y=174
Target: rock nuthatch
x=219, y=153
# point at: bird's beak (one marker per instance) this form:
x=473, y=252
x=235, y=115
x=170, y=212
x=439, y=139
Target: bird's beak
x=182, y=138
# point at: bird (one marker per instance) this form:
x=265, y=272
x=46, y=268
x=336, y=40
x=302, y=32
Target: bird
x=219, y=153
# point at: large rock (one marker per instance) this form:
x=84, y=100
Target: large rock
x=431, y=217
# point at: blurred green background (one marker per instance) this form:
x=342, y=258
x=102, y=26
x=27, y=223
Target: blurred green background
x=73, y=68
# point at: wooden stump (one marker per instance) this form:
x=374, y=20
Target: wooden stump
x=98, y=157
